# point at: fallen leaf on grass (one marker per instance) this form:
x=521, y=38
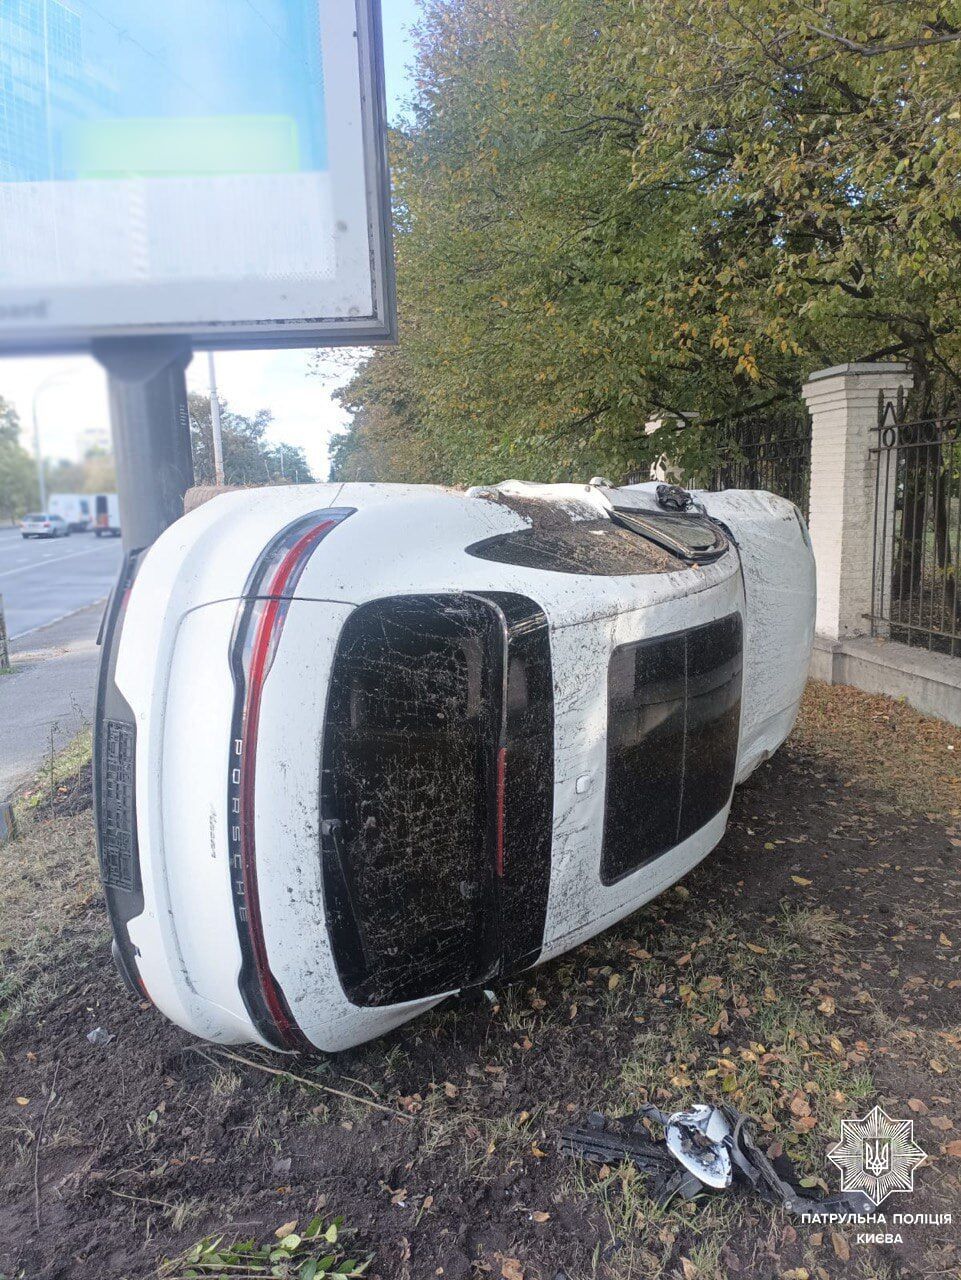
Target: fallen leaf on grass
x=953, y=1148
x=689, y=1269
x=937, y=1066
x=511, y=1269
x=828, y=1005
x=540, y=1216
x=917, y=1105
x=841, y=1246
x=23, y=1102
x=285, y=1230
x=758, y=951
x=942, y=1122
x=801, y=881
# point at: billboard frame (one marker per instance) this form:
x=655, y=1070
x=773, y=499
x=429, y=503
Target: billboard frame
x=280, y=333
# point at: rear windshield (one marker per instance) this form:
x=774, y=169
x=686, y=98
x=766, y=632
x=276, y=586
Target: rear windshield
x=36, y=517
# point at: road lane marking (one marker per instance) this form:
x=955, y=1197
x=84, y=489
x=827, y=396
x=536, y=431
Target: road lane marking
x=74, y=555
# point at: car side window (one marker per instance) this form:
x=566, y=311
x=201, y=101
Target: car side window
x=674, y=711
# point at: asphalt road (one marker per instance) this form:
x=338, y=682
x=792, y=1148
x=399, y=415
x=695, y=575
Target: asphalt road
x=43, y=580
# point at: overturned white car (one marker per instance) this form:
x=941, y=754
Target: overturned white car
x=362, y=746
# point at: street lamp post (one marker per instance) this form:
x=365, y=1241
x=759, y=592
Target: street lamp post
x=51, y=380
x=215, y=426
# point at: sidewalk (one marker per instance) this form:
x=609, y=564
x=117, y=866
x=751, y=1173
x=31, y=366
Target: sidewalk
x=50, y=696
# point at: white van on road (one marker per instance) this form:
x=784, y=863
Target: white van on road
x=75, y=508
x=106, y=519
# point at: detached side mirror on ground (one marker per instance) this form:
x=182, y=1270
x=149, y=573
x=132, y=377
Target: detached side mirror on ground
x=363, y=746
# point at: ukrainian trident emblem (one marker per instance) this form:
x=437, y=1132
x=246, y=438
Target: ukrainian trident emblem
x=877, y=1156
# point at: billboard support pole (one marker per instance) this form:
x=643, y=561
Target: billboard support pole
x=150, y=424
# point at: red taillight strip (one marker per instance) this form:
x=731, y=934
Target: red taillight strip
x=270, y=611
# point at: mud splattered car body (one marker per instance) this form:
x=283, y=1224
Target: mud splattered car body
x=360, y=746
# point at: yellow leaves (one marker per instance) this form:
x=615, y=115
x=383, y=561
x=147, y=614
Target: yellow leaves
x=758, y=951
x=828, y=1005
x=802, y=881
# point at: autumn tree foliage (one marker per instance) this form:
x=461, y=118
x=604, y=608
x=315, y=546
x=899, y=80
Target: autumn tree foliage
x=609, y=210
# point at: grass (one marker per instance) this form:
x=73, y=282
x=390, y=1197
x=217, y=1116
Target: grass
x=63, y=777
x=716, y=1021
x=48, y=880
x=697, y=1004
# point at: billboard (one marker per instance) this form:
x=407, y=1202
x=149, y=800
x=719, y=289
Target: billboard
x=210, y=168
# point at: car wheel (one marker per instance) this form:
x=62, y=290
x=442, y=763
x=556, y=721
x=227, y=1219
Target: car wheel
x=25, y=536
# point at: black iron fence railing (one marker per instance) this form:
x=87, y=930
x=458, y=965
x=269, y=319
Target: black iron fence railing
x=770, y=452
x=917, y=528
x=766, y=451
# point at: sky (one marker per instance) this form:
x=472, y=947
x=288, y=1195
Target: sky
x=70, y=393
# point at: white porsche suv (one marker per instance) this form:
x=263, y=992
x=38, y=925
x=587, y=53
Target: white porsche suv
x=361, y=746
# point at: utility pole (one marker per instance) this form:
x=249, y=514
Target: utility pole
x=49, y=381
x=38, y=456
x=215, y=424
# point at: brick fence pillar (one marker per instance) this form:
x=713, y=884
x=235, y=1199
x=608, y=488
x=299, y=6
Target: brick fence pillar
x=843, y=403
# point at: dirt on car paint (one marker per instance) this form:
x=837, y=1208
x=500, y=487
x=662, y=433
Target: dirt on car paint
x=825, y=907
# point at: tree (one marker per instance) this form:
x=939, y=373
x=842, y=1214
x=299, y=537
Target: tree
x=249, y=459
x=94, y=473
x=18, y=482
x=608, y=211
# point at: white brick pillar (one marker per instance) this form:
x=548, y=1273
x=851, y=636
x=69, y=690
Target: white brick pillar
x=843, y=403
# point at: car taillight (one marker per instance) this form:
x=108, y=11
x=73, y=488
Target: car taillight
x=257, y=632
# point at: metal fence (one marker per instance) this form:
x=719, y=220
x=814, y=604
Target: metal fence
x=765, y=451
x=771, y=451
x=917, y=528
